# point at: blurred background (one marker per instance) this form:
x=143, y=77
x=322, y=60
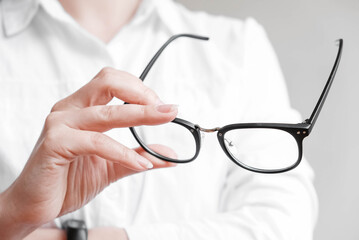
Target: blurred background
x=303, y=34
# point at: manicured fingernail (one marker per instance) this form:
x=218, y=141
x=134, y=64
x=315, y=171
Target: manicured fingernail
x=167, y=108
x=144, y=162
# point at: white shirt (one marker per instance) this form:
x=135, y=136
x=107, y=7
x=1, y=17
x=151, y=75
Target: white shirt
x=235, y=77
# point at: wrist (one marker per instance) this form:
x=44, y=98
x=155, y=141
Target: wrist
x=11, y=224
x=47, y=233
x=107, y=233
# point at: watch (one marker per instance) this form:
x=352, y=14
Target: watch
x=75, y=229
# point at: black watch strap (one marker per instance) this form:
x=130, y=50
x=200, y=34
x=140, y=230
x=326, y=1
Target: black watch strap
x=75, y=229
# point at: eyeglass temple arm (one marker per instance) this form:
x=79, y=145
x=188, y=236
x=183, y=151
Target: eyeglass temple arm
x=158, y=53
x=311, y=121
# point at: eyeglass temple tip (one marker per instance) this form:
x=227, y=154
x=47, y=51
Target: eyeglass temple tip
x=339, y=41
x=191, y=36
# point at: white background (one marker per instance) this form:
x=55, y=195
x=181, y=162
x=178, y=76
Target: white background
x=303, y=34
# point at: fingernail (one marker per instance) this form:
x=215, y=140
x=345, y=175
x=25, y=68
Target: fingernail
x=167, y=108
x=144, y=162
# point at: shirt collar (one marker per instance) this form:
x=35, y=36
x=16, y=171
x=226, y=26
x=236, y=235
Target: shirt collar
x=18, y=14
x=169, y=15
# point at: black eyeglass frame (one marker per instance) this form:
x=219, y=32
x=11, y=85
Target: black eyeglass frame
x=299, y=131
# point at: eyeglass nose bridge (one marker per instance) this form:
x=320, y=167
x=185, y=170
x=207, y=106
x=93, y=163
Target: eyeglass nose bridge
x=207, y=130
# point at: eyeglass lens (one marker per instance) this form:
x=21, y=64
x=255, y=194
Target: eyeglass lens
x=179, y=140
x=262, y=148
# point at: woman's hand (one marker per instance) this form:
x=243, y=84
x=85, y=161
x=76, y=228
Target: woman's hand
x=73, y=160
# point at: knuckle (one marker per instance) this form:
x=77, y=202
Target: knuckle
x=127, y=155
x=109, y=79
x=97, y=139
x=126, y=75
x=144, y=112
x=55, y=141
x=52, y=119
x=126, y=78
x=138, y=114
x=52, y=138
x=106, y=113
x=56, y=107
x=148, y=96
x=106, y=71
x=141, y=114
x=105, y=76
x=53, y=132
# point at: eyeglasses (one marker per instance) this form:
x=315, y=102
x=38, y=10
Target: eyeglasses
x=257, y=147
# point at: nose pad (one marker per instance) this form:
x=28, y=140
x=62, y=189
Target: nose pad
x=233, y=149
x=228, y=142
x=203, y=136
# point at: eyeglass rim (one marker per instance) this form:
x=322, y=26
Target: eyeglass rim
x=298, y=131
x=192, y=128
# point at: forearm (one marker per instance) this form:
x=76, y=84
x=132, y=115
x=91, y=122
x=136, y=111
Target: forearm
x=11, y=224
x=47, y=233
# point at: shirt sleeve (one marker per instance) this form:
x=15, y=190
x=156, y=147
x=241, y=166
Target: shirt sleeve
x=254, y=206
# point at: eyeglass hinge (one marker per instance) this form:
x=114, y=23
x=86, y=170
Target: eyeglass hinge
x=306, y=121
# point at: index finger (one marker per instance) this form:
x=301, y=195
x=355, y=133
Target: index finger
x=106, y=85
